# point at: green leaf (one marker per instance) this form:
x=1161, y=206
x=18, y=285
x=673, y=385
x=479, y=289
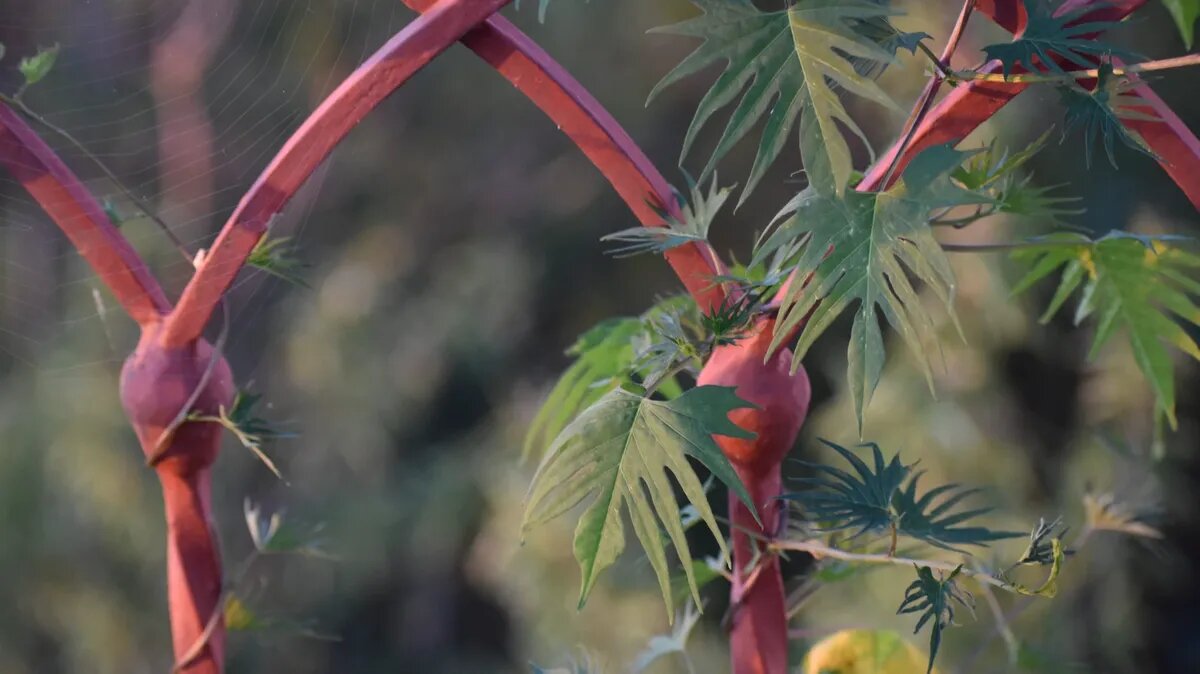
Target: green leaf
x=1050, y=36
x=697, y=217
x=997, y=172
x=274, y=256
x=1144, y=285
x=1100, y=111
x=874, y=501
x=767, y=56
x=1185, y=13
x=937, y=525
x=934, y=599
x=605, y=355
x=860, y=248
x=1040, y=550
x=619, y=452
x=821, y=37
x=662, y=645
x=860, y=501
x=35, y=68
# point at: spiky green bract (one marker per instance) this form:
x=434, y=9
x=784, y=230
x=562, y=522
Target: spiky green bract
x=777, y=63
x=274, y=256
x=697, y=215
x=1185, y=13
x=1050, y=37
x=1100, y=111
x=1143, y=285
x=860, y=247
x=619, y=452
x=934, y=599
x=605, y=356
x=997, y=172
x=875, y=500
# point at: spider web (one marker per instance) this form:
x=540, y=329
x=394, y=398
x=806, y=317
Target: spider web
x=185, y=102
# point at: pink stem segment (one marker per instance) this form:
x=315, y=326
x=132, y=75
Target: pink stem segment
x=65, y=199
x=410, y=50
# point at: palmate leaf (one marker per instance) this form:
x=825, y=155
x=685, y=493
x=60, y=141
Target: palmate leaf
x=605, y=356
x=1100, y=111
x=619, y=452
x=1050, y=36
x=934, y=598
x=936, y=525
x=1143, y=285
x=861, y=501
x=875, y=500
x=860, y=249
x=769, y=58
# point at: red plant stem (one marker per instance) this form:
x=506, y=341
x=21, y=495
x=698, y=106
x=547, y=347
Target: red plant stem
x=65, y=199
x=156, y=383
x=405, y=54
x=1176, y=145
x=935, y=83
x=193, y=573
x=973, y=103
x=758, y=637
x=594, y=130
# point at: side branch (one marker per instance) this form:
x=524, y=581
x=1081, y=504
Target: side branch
x=579, y=115
x=65, y=199
x=405, y=54
x=973, y=103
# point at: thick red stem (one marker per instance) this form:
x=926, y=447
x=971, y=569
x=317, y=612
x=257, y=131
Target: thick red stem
x=758, y=633
x=759, y=636
x=193, y=573
x=156, y=384
x=406, y=53
x=48, y=180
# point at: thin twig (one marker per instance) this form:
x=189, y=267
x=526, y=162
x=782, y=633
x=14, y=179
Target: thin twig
x=19, y=103
x=1010, y=639
x=1092, y=73
x=820, y=550
x=1004, y=246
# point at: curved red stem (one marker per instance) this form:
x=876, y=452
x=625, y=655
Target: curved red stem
x=406, y=53
x=597, y=134
x=73, y=208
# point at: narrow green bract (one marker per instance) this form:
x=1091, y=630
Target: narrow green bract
x=619, y=452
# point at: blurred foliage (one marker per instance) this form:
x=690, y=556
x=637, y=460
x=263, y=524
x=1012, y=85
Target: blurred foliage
x=453, y=251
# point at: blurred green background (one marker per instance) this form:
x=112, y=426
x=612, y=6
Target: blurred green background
x=452, y=244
